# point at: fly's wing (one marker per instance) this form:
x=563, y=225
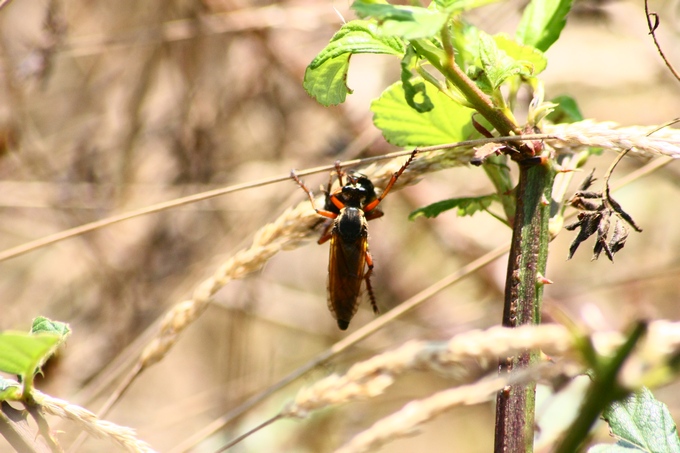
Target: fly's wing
x=345, y=273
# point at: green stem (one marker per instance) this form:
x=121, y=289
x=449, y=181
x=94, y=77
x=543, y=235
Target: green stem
x=523, y=294
x=529, y=249
x=603, y=391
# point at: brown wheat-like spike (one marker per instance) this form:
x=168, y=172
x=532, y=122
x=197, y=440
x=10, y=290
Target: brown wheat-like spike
x=371, y=377
x=124, y=436
x=286, y=232
x=609, y=135
x=415, y=413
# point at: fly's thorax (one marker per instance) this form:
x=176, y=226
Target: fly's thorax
x=351, y=223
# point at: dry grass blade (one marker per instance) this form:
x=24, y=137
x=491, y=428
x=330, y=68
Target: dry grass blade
x=123, y=436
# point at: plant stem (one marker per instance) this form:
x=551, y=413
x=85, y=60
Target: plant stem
x=529, y=249
x=603, y=391
x=523, y=293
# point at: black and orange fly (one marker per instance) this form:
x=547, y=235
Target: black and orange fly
x=350, y=206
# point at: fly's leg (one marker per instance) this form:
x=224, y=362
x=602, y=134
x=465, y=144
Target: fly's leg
x=340, y=173
x=321, y=212
x=369, y=287
x=372, y=205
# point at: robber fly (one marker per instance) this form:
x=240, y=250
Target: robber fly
x=350, y=207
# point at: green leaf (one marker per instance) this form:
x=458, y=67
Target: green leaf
x=407, y=22
x=465, y=206
x=496, y=64
x=326, y=76
x=526, y=55
x=447, y=122
x=22, y=353
x=542, y=22
x=567, y=110
x=642, y=422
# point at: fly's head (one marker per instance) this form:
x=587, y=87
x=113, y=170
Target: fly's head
x=359, y=190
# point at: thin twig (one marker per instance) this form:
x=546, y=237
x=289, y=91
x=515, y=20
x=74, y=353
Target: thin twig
x=652, y=26
x=249, y=433
x=582, y=134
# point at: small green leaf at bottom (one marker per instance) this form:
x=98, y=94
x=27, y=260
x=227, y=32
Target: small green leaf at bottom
x=640, y=423
x=465, y=206
x=21, y=353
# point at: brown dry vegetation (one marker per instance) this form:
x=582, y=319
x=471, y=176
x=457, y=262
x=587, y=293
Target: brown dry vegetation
x=110, y=106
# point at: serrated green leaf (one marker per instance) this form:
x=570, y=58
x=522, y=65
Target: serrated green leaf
x=465, y=206
x=567, y=110
x=496, y=64
x=542, y=22
x=328, y=82
x=407, y=22
x=644, y=422
x=46, y=325
x=21, y=353
x=9, y=389
x=447, y=122
x=521, y=53
x=326, y=76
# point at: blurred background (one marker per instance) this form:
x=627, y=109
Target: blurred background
x=111, y=106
